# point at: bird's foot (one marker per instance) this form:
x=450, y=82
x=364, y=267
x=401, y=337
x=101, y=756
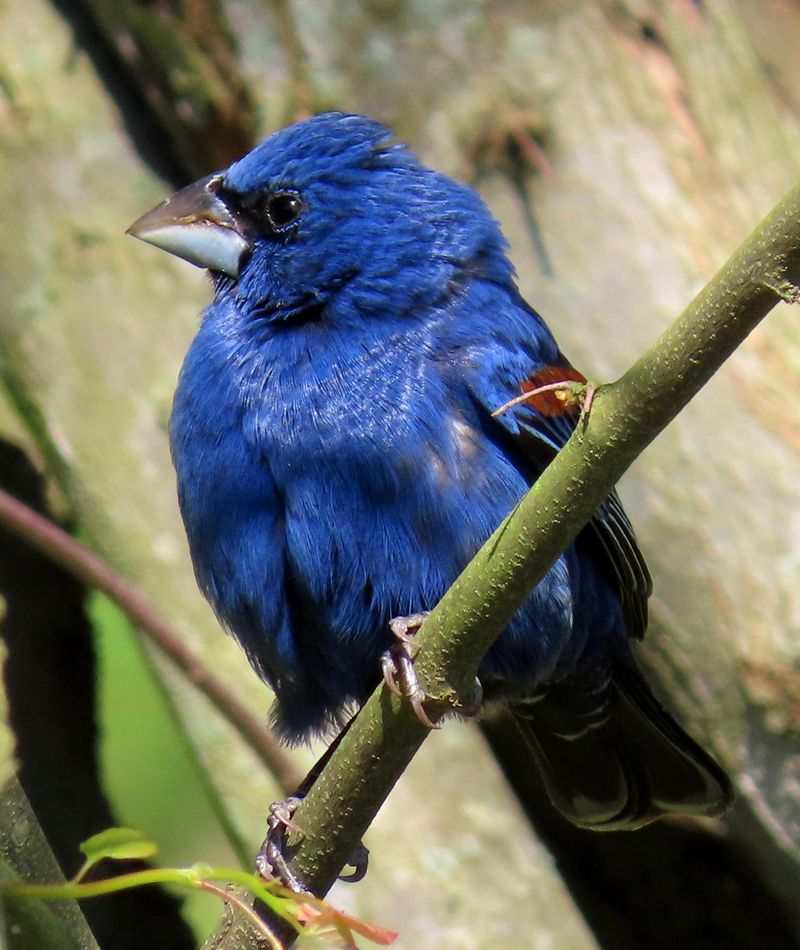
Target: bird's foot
x=397, y=665
x=271, y=859
x=404, y=628
x=400, y=676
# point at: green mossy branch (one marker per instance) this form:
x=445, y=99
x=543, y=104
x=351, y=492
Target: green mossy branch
x=25, y=923
x=625, y=417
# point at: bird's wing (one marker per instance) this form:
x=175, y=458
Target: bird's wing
x=539, y=428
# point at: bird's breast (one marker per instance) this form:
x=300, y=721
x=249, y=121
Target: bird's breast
x=325, y=492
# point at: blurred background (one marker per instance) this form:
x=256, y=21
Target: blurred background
x=627, y=147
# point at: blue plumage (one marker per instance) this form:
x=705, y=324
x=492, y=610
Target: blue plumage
x=338, y=464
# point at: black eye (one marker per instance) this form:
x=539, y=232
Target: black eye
x=283, y=209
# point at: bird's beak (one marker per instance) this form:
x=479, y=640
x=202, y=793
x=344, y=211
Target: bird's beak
x=197, y=225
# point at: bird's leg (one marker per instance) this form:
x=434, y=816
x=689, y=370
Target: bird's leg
x=271, y=861
x=397, y=664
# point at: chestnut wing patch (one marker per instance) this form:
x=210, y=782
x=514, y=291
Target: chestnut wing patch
x=541, y=426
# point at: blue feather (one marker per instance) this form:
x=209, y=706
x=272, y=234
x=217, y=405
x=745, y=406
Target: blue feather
x=338, y=463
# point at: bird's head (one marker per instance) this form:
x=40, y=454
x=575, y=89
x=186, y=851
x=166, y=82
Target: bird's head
x=326, y=211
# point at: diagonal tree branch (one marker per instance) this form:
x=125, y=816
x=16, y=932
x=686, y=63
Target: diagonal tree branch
x=626, y=416
x=90, y=569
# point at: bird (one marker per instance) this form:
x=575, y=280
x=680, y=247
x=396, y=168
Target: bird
x=342, y=450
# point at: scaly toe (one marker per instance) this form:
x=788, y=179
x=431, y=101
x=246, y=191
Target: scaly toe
x=389, y=670
x=270, y=861
x=404, y=628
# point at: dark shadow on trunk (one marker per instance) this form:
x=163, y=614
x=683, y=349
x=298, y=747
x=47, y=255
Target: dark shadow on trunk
x=50, y=681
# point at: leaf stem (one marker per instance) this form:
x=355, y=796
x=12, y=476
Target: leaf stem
x=231, y=898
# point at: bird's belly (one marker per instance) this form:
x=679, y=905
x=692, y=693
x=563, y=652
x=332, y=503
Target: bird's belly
x=364, y=547
x=308, y=540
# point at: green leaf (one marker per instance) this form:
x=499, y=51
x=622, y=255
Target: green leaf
x=118, y=843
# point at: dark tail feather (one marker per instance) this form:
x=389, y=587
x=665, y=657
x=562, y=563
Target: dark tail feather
x=616, y=759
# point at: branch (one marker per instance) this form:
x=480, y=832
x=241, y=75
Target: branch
x=91, y=570
x=25, y=854
x=626, y=416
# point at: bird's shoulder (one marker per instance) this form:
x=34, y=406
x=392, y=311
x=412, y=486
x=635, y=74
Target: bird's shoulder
x=509, y=352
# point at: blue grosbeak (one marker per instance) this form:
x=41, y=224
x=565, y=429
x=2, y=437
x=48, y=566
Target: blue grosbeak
x=339, y=462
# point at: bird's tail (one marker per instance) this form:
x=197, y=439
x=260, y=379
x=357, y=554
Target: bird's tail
x=616, y=759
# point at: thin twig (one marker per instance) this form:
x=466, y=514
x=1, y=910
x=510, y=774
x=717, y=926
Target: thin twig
x=230, y=897
x=90, y=569
x=563, y=385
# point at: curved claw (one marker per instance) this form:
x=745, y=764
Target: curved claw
x=270, y=861
x=419, y=712
x=359, y=861
x=389, y=669
x=398, y=666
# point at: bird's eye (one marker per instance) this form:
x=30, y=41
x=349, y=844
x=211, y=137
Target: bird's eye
x=283, y=209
